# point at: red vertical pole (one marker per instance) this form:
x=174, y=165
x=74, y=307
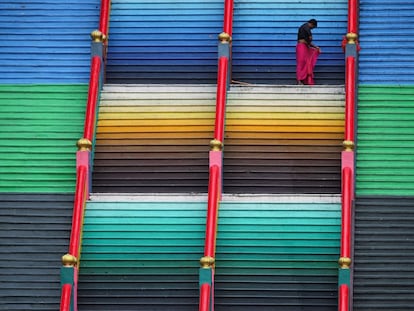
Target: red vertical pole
x=228, y=17
x=349, y=98
x=346, y=212
x=221, y=98
x=352, y=16
x=104, y=18
x=92, y=98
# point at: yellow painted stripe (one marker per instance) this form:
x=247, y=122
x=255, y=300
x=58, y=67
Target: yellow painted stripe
x=156, y=116
x=267, y=135
x=285, y=129
x=157, y=109
x=229, y=128
x=285, y=116
x=285, y=109
x=211, y=115
x=153, y=129
x=167, y=122
x=255, y=122
x=154, y=136
x=229, y=135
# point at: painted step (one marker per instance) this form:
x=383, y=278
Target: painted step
x=145, y=255
x=278, y=139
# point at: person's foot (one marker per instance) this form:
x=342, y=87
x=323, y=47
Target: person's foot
x=300, y=82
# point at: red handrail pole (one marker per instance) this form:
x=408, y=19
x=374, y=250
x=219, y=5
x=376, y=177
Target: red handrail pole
x=228, y=17
x=211, y=226
x=65, y=297
x=104, y=18
x=349, y=98
x=92, y=98
x=343, y=298
x=352, y=16
x=205, y=293
x=221, y=98
x=77, y=217
x=346, y=212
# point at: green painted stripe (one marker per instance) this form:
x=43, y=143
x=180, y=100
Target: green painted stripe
x=385, y=136
x=40, y=127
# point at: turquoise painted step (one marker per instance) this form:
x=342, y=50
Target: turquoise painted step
x=134, y=251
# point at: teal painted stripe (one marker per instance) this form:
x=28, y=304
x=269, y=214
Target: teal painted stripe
x=167, y=235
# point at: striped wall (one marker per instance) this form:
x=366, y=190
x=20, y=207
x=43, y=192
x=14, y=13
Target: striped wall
x=164, y=41
x=385, y=110
x=385, y=140
x=383, y=269
x=40, y=125
x=265, y=36
x=176, y=41
x=46, y=41
x=153, y=138
x=141, y=256
x=387, y=48
x=34, y=234
x=384, y=162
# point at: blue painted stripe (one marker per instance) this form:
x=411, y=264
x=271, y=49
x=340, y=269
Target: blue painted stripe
x=387, y=47
x=164, y=41
x=265, y=33
x=46, y=41
x=178, y=40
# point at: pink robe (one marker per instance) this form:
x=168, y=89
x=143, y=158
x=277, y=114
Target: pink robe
x=306, y=58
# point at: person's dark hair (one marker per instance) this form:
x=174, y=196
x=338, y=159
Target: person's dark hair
x=313, y=22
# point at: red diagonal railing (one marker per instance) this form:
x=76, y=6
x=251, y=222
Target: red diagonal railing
x=206, y=302
x=69, y=270
x=351, y=48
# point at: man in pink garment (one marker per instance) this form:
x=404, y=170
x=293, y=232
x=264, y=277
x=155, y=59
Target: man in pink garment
x=306, y=53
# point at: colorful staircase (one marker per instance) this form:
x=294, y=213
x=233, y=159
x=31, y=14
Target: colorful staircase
x=45, y=78
x=143, y=255
x=279, y=139
x=154, y=138
x=140, y=250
